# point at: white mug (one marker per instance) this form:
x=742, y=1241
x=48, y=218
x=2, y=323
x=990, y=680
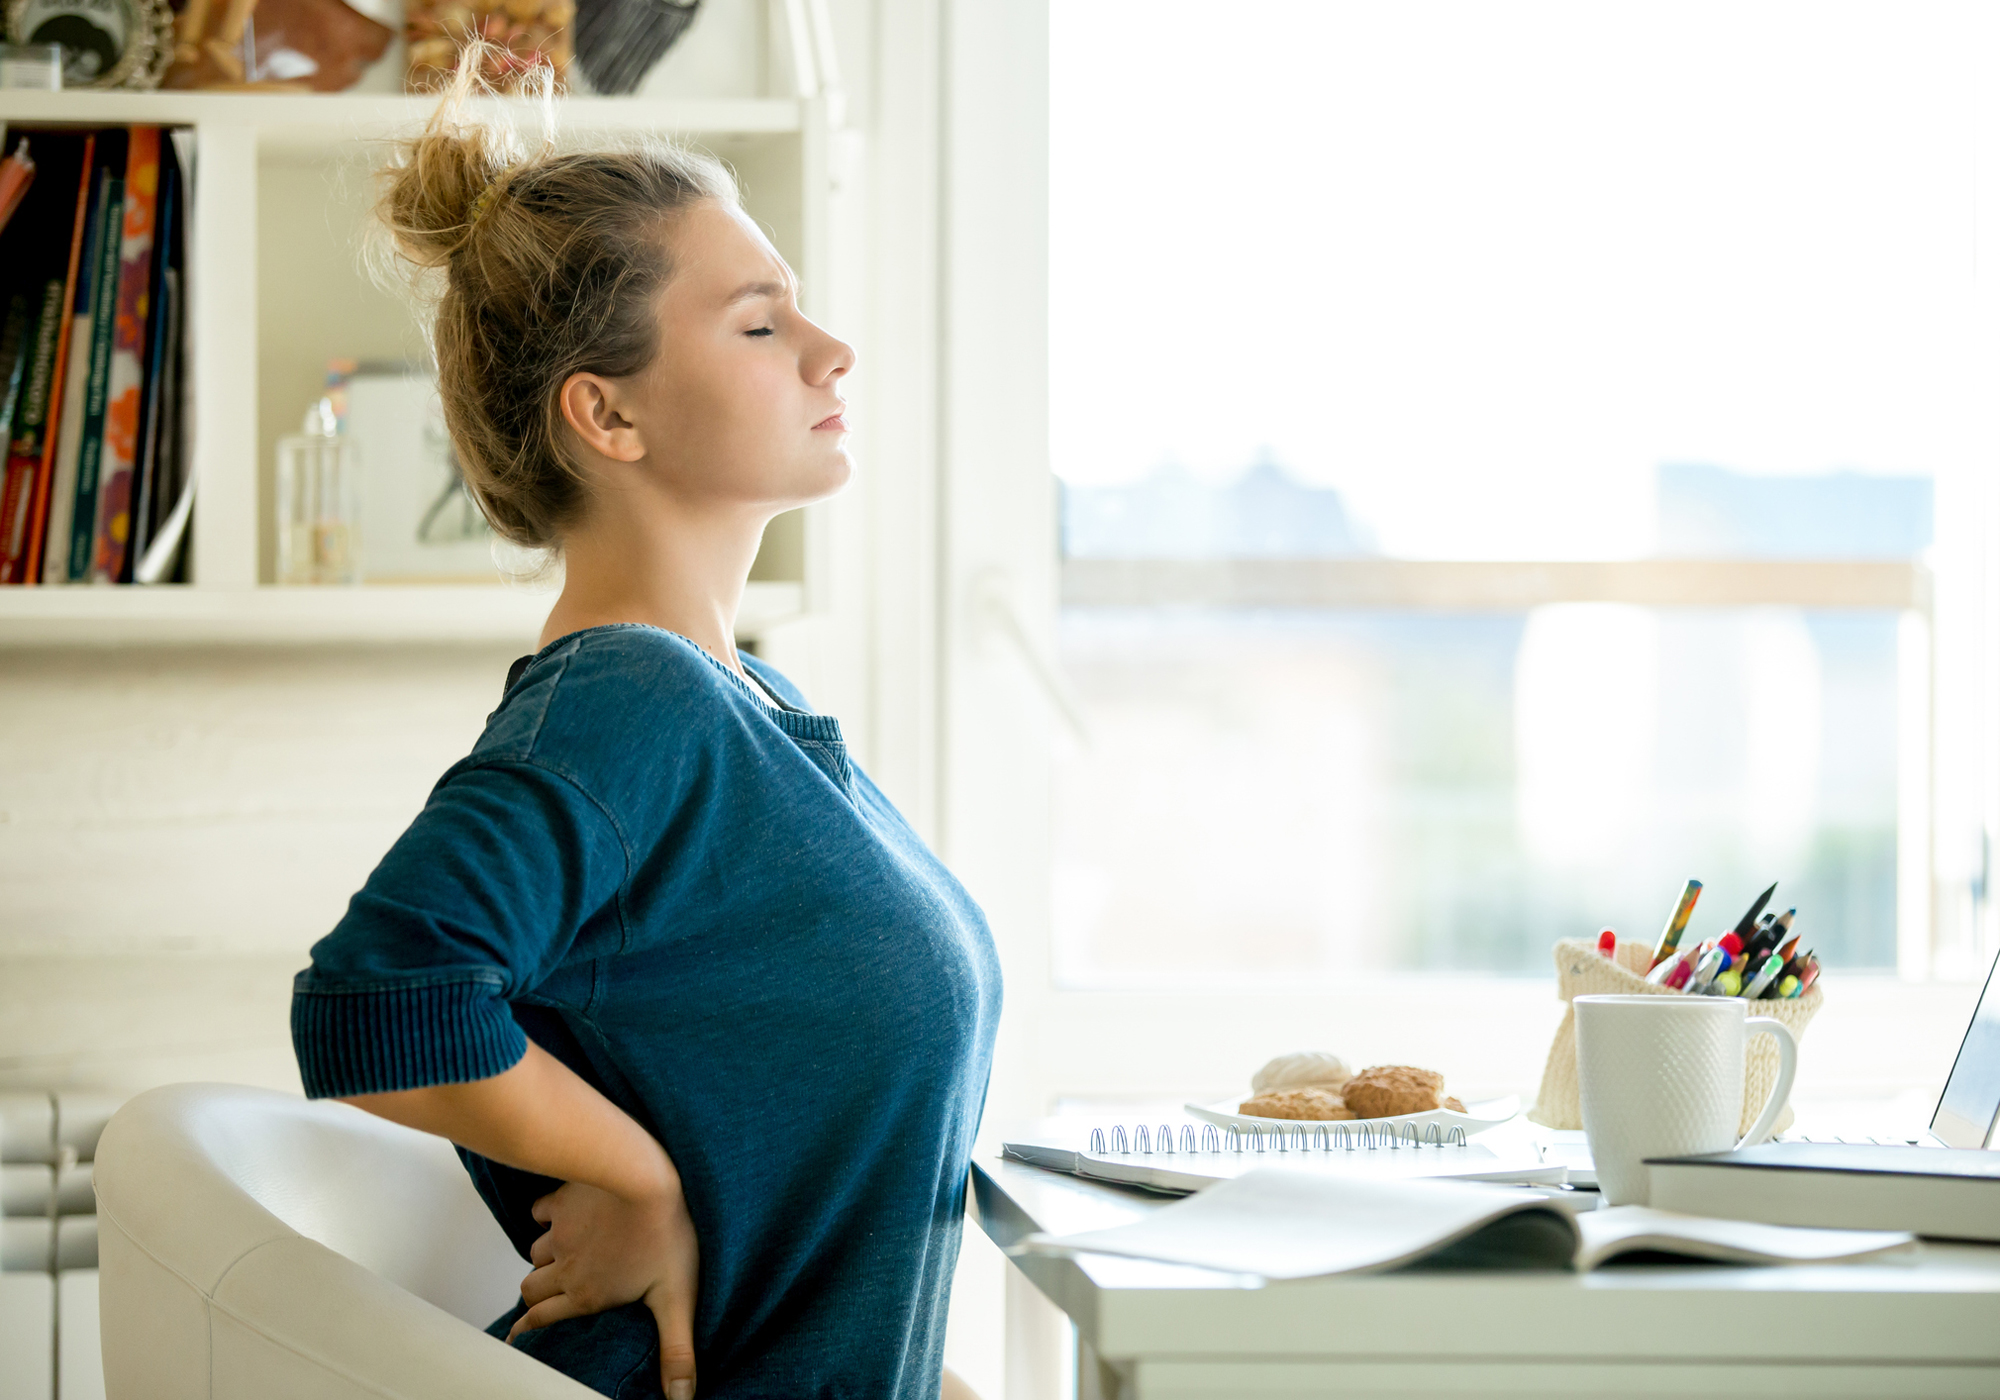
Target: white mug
x=1662, y=1076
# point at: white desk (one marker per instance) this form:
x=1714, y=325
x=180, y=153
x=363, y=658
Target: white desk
x=1928, y=1326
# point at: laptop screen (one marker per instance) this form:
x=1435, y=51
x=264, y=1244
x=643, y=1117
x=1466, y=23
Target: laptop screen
x=1971, y=1098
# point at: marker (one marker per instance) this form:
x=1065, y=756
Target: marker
x=1748, y=922
x=1670, y=936
x=1728, y=983
x=1662, y=975
x=1731, y=945
x=1770, y=934
x=1607, y=944
x=1766, y=975
x=1787, y=988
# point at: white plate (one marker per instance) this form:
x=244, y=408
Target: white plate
x=1477, y=1118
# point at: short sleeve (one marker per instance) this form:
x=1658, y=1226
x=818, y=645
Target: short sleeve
x=478, y=902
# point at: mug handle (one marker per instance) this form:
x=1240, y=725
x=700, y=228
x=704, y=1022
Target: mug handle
x=1788, y=1065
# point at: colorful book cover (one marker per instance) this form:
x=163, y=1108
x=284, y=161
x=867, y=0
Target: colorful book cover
x=103, y=305
x=124, y=393
x=45, y=242
x=162, y=328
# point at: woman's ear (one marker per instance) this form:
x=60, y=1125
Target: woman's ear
x=590, y=405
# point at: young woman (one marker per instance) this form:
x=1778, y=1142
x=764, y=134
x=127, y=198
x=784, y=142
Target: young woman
x=709, y=1024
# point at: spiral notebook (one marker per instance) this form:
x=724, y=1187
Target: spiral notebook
x=1183, y=1158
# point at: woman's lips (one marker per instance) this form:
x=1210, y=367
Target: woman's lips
x=835, y=424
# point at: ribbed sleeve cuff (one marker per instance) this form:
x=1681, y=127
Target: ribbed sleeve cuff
x=382, y=1040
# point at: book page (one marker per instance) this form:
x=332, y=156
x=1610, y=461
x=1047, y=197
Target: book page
x=1617, y=1230
x=1282, y=1223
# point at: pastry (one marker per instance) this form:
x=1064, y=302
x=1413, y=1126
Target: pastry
x=1388, y=1091
x=1453, y=1104
x=1313, y=1105
x=1305, y=1069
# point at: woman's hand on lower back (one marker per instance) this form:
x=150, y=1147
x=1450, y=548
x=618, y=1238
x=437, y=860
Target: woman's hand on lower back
x=603, y=1251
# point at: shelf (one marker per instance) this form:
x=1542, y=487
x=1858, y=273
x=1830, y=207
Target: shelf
x=316, y=123
x=182, y=616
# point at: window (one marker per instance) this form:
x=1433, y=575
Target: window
x=1514, y=458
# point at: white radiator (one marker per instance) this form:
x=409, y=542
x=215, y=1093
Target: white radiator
x=48, y=1245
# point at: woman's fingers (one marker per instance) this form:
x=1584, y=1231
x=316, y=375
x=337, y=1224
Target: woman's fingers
x=543, y=1313
x=674, y=1316
x=543, y=1250
x=544, y=1208
x=539, y=1285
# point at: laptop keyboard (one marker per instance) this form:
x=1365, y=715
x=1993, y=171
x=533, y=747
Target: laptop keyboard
x=1862, y=1141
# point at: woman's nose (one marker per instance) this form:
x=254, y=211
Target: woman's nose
x=831, y=359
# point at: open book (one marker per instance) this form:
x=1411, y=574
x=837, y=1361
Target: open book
x=1282, y=1223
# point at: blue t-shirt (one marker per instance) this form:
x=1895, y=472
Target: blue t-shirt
x=698, y=903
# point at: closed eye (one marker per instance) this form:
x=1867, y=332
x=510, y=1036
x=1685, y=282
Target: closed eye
x=763, y=330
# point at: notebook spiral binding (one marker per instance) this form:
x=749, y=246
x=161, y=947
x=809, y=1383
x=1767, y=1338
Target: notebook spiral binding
x=1298, y=1137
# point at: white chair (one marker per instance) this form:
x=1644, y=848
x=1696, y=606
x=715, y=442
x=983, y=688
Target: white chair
x=253, y=1245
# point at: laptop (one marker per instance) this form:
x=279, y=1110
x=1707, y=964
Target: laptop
x=1968, y=1108
x=1967, y=1113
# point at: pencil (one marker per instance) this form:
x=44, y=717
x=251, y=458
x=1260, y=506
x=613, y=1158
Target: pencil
x=1670, y=936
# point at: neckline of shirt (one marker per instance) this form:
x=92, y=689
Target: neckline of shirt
x=794, y=722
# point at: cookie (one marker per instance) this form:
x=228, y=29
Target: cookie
x=1453, y=1104
x=1313, y=1069
x=1388, y=1091
x=1313, y=1105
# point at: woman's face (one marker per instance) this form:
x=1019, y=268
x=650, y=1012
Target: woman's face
x=743, y=404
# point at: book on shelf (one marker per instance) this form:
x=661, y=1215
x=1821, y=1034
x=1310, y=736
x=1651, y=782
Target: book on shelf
x=96, y=486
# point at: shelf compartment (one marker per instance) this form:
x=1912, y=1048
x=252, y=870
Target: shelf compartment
x=444, y=614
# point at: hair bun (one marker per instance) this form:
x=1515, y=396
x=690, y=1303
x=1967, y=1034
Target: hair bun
x=430, y=196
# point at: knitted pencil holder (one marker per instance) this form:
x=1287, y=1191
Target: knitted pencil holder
x=1582, y=971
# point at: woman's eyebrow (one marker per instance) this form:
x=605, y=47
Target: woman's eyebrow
x=756, y=289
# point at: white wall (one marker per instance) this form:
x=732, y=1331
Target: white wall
x=177, y=827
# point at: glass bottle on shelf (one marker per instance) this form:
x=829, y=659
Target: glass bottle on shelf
x=318, y=502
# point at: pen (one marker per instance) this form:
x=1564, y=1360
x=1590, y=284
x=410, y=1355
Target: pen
x=1670, y=936
x=1711, y=964
x=1766, y=975
x=1728, y=982
x=1607, y=944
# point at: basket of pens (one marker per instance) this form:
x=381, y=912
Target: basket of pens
x=1760, y=959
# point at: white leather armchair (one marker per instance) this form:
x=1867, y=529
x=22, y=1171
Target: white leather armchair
x=253, y=1245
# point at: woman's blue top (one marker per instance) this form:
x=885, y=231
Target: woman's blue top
x=700, y=905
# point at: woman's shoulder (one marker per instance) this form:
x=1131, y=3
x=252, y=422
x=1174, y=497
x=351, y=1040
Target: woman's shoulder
x=594, y=691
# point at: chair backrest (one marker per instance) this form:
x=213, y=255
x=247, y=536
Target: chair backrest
x=395, y=1201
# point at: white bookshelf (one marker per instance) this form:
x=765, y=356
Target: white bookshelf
x=276, y=289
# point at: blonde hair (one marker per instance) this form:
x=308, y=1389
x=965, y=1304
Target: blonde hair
x=537, y=265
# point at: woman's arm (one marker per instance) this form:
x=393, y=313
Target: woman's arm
x=541, y=1117
x=619, y=1230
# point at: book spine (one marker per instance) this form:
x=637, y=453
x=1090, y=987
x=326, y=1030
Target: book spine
x=103, y=306
x=40, y=508
x=126, y=388
x=17, y=351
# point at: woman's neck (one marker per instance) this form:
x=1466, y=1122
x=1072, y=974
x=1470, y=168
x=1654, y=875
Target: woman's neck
x=662, y=563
